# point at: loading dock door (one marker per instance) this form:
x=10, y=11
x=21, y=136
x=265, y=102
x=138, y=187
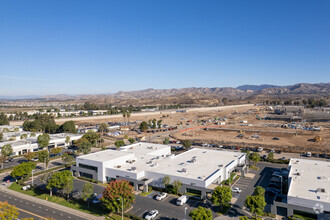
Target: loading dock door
x=282, y=211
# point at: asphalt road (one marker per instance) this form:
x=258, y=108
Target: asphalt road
x=28, y=209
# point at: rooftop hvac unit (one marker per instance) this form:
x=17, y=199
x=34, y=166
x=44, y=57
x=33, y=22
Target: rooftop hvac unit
x=321, y=190
x=184, y=170
x=133, y=168
x=193, y=160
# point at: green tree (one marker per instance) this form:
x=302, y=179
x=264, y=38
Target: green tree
x=201, y=213
x=24, y=136
x=255, y=157
x=143, y=126
x=67, y=140
x=177, y=186
x=8, y=212
x=159, y=123
x=84, y=145
x=221, y=196
x=43, y=140
x=166, y=181
x=256, y=203
x=29, y=155
x=131, y=140
x=43, y=157
x=56, y=150
x=92, y=137
x=270, y=156
x=61, y=180
x=1, y=136
x=117, y=192
x=103, y=127
x=68, y=127
x=67, y=158
x=154, y=123
x=23, y=169
x=87, y=191
x=6, y=151
x=166, y=140
x=186, y=144
x=3, y=119
x=51, y=128
x=118, y=144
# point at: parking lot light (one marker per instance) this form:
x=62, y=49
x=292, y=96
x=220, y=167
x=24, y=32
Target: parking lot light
x=32, y=177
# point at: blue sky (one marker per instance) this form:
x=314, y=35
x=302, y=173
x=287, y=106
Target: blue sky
x=104, y=46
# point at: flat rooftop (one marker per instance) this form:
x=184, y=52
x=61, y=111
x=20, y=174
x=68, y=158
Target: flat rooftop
x=310, y=179
x=193, y=164
x=103, y=156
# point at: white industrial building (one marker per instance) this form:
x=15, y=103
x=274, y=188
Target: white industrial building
x=146, y=164
x=308, y=189
x=21, y=146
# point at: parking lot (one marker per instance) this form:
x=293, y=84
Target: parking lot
x=167, y=207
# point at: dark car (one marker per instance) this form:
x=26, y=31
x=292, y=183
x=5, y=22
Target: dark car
x=270, y=193
x=276, y=138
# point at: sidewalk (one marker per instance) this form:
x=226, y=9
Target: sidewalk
x=51, y=204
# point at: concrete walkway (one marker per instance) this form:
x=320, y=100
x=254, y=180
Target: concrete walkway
x=51, y=204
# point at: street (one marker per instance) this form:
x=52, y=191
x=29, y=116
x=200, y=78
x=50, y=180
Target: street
x=29, y=209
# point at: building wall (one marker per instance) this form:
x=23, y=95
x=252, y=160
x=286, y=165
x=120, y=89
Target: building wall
x=308, y=203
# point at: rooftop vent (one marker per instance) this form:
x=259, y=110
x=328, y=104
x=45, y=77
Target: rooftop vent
x=321, y=190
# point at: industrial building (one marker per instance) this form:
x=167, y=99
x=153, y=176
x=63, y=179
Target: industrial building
x=308, y=190
x=144, y=164
x=21, y=146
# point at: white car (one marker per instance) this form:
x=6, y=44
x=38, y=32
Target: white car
x=236, y=190
x=161, y=196
x=152, y=214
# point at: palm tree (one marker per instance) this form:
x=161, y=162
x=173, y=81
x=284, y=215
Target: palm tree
x=124, y=114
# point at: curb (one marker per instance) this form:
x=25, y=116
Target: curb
x=52, y=205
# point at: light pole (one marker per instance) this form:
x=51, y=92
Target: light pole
x=32, y=177
x=185, y=213
x=122, y=208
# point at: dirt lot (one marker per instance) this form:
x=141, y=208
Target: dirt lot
x=290, y=140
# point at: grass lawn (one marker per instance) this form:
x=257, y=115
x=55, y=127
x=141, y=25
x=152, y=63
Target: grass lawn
x=224, y=210
x=145, y=194
x=59, y=200
x=296, y=216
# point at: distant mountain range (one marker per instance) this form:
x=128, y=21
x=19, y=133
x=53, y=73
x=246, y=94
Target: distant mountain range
x=255, y=87
x=199, y=96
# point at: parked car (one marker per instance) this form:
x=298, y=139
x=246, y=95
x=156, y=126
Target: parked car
x=152, y=214
x=274, y=185
x=236, y=190
x=273, y=190
x=276, y=138
x=182, y=200
x=161, y=196
x=270, y=193
x=34, y=159
x=276, y=173
x=97, y=199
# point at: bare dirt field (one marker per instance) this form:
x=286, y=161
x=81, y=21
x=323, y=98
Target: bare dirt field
x=261, y=133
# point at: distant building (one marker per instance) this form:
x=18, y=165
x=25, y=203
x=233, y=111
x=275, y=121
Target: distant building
x=21, y=146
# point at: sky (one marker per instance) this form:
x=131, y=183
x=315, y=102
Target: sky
x=104, y=46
